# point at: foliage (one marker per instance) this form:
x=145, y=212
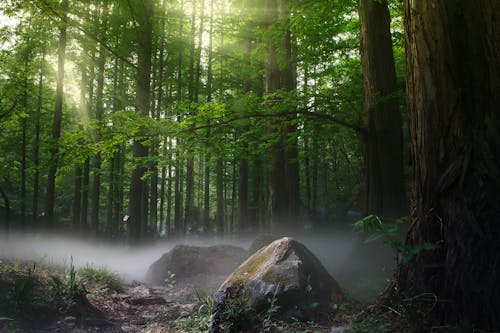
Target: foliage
x=68, y=290
x=102, y=276
x=390, y=231
x=198, y=320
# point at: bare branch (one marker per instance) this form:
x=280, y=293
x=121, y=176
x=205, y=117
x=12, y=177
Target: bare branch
x=305, y=112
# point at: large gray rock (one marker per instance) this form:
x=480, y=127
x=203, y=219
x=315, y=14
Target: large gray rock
x=286, y=273
x=261, y=241
x=186, y=261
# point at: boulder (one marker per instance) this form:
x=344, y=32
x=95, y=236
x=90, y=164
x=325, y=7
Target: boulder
x=261, y=241
x=186, y=261
x=284, y=280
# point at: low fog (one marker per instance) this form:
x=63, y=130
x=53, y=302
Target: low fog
x=348, y=259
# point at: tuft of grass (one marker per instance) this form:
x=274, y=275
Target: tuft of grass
x=102, y=276
x=199, y=320
x=66, y=290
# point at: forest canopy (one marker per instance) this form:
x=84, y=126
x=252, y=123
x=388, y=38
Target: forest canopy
x=133, y=118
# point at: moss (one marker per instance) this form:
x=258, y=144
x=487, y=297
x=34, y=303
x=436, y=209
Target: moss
x=251, y=267
x=272, y=276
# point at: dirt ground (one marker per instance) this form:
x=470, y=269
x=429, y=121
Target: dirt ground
x=136, y=308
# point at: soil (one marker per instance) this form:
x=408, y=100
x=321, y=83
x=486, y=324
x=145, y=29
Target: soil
x=136, y=308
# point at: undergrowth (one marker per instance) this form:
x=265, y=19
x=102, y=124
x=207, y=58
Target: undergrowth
x=91, y=275
x=29, y=295
x=236, y=315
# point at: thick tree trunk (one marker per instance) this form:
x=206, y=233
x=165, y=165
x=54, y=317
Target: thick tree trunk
x=56, y=127
x=284, y=196
x=385, y=193
x=138, y=187
x=453, y=69
x=99, y=112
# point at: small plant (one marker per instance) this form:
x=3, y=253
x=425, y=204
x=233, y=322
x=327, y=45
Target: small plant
x=106, y=278
x=67, y=290
x=237, y=315
x=199, y=320
x=20, y=298
x=389, y=231
x=268, y=325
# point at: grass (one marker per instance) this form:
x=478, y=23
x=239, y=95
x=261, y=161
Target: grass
x=91, y=275
x=30, y=297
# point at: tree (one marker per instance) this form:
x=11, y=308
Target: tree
x=383, y=139
x=56, y=127
x=453, y=66
x=284, y=202
x=138, y=188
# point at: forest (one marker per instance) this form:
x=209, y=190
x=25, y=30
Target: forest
x=138, y=121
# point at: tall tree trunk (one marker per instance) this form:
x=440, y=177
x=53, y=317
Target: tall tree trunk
x=178, y=158
x=138, y=188
x=189, y=206
x=219, y=184
x=99, y=108
x=206, y=194
x=56, y=127
x=114, y=164
x=453, y=66
x=385, y=193
x=86, y=165
x=85, y=194
x=24, y=125
x=292, y=175
x=77, y=200
x=284, y=197
x=168, y=226
x=36, y=148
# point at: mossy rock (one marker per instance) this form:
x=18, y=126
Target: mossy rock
x=286, y=273
x=186, y=261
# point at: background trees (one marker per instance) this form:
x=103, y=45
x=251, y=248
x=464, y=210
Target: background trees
x=191, y=116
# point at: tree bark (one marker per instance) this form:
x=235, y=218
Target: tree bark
x=385, y=193
x=138, y=187
x=284, y=196
x=36, y=148
x=56, y=126
x=99, y=112
x=453, y=67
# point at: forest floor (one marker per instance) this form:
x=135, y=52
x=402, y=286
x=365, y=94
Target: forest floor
x=38, y=298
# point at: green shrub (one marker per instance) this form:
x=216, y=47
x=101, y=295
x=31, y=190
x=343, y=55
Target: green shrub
x=103, y=276
x=20, y=299
x=66, y=290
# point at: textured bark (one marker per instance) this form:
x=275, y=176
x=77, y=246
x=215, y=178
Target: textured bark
x=56, y=126
x=138, y=187
x=284, y=196
x=206, y=192
x=453, y=67
x=24, y=125
x=385, y=193
x=36, y=148
x=99, y=112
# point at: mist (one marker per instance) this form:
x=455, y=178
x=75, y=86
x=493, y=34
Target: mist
x=342, y=251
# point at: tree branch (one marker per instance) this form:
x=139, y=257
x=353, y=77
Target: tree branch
x=87, y=33
x=6, y=113
x=305, y=112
